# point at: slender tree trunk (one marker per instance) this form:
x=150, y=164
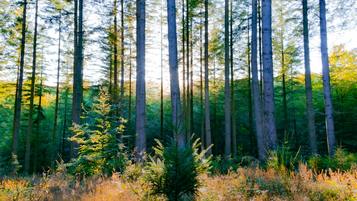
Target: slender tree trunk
x=308, y=87
x=188, y=98
x=191, y=84
x=330, y=130
x=207, y=102
x=18, y=98
x=140, y=80
x=251, y=132
x=54, y=132
x=38, y=122
x=269, y=110
x=183, y=66
x=174, y=84
x=122, y=49
x=63, y=137
x=161, y=76
x=32, y=95
x=115, y=73
x=111, y=71
x=260, y=42
x=234, y=123
x=201, y=89
x=285, y=102
x=130, y=87
x=78, y=71
x=257, y=106
x=227, y=89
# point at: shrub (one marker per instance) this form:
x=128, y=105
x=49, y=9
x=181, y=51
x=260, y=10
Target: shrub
x=100, y=148
x=342, y=160
x=174, y=171
x=282, y=159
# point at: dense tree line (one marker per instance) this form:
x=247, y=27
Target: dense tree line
x=235, y=78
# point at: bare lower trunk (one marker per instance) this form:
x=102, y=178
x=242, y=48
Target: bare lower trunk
x=174, y=80
x=257, y=106
x=234, y=123
x=207, y=104
x=54, y=132
x=77, y=72
x=122, y=50
x=308, y=87
x=269, y=110
x=140, y=80
x=227, y=88
x=32, y=95
x=18, y=98
x=330, y=130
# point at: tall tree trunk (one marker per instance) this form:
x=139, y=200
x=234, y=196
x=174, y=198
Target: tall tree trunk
x=115, y=47
x=130, y=87
x=269, y=110
x=201, y=89
x=122, y=49
x=32, y=95
x=330, y=130
x=251, y=132
x=183, y=40
x=140, y=80
x=64, y=129
x=77, y=72
x=285, y=102
x=234, y=123
x=227, y=88
x=54, y=132
x=260, y=42
x=188, y=98
x=208, y=139
x=257, y=106
x=38, y=122
x=161, y=75
x=308, y=87
x=174, y=84
x=18, y=98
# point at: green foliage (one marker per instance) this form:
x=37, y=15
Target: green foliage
x=283, y=159
x=342, y=160
x=174, y=171
x=99, y=139
x=220, y=165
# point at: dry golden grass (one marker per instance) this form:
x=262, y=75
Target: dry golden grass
x=244, y=184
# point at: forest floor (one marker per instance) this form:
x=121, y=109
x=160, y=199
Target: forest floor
x=243, y=184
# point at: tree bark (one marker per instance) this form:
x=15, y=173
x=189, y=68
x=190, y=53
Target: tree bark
x=122, y=50
x=54, y=132
x=207, y=102
x=308, y=87
x=174, y=83
x=257, y=106
x=32, y=95
x=330, y=130
x=269, y=109
x=18, y=98
x=78, y=70
x=234, y=123
x=227, y=88
x=115, y=73
x=140, y=80
x=161, y=76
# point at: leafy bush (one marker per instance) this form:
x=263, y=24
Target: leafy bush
x=174, y=171
x=342, y=160
x=220, y=165
x=99, y=139
x=283, y=159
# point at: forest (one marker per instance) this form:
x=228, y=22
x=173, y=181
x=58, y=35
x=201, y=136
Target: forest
x=178, y=100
